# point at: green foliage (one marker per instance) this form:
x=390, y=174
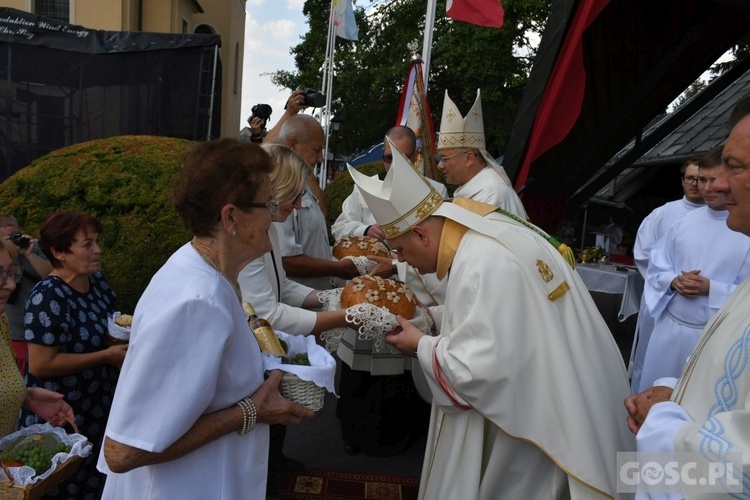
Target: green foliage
x=125, y=182
x=369, y=74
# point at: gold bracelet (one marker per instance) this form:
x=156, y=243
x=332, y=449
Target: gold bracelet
x=249, y=415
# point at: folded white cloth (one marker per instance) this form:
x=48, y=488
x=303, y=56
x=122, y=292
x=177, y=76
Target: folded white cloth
x=322, y=369
x=117, y=331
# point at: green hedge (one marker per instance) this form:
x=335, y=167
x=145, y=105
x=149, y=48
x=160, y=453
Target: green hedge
x=123, y=181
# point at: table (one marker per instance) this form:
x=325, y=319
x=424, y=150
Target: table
x=606, y=278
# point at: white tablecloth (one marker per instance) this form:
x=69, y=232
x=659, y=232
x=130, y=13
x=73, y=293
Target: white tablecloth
x=607, y=279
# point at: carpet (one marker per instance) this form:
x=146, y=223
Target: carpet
x=319, y=484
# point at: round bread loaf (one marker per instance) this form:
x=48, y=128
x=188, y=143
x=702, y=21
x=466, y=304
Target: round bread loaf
x=359, y=246
x=124, y=320
x=393, y=295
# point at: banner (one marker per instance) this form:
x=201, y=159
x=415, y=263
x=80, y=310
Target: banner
x=414, y=112
x=343, y=20
x=480, y=12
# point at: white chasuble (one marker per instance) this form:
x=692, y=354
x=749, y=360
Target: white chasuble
x=527, y=380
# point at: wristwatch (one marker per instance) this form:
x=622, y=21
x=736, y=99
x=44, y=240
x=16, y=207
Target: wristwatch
x=394, y=268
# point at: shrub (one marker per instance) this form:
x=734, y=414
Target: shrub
x=123, y=181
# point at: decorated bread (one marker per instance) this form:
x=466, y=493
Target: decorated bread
x=124, y=320
x=359, y=246
x=393, y=295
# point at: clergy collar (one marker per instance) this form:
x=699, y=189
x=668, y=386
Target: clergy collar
x=453, y=233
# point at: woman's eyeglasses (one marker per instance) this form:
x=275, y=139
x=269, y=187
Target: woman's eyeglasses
x=15, y=272
x=299, y=196
x=272, y=206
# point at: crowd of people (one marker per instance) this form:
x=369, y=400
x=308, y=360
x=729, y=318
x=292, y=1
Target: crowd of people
x=523, y=384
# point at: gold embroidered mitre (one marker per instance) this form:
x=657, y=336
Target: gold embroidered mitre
x=461, y=132
x=457, y=132
x=401, y=200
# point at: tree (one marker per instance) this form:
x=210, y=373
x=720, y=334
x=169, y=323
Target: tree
x=369, y=74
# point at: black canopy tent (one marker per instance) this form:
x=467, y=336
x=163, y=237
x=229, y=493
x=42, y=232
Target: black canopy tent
x=604, y=70
x=62, y=84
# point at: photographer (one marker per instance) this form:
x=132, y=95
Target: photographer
x=257, y=121
x=35, y=267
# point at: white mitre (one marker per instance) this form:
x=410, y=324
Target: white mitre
x=401, y=200
x=457, y=132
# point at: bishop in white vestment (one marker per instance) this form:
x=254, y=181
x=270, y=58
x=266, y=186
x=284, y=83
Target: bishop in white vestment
x=525, y=375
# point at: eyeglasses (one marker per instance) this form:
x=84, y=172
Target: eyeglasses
x=299, y=196
x=272, y=206
x=14, y=272
x=439, y=158
x=690, y=179
x=389, y=158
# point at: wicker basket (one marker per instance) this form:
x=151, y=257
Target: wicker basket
x=12, y=491
x=302, y=392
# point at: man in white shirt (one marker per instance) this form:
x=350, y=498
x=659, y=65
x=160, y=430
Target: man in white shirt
x=692, y=271
x=651, y=230
x=305, y=248
x=465, y=162
x=705, y=412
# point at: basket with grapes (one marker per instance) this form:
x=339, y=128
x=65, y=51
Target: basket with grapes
x=36, y=459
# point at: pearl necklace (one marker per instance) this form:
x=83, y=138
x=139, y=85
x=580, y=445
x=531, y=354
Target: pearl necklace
x=211, y=263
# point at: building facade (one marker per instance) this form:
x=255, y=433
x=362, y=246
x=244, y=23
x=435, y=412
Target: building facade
x=220, y=17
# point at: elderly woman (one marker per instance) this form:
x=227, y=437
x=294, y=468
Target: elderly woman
x=66, y=329
x=13, y=391
x=191, y=412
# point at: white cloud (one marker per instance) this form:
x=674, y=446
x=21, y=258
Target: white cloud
x=269, y=34
x=295, y=5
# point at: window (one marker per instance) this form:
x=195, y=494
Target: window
x=56, y=9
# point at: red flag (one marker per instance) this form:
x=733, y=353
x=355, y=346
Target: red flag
x=562, y=99
x=481, y=12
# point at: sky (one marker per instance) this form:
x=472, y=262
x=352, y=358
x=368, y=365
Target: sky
x=272, y=28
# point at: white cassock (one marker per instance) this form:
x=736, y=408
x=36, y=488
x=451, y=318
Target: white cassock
x=305, y=232
x=651, y=230
x=527, y=380
x=710, y=408
x=191, y=353
x=274, y=296
x=488, y=187
x=700, y=240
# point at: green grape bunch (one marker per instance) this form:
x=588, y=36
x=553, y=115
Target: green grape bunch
x=300, y=359
x=35, y=456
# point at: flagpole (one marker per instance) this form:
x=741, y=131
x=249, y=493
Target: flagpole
x=429, y=27
x=325, y=118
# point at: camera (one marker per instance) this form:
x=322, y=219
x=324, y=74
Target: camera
x=262, y=111
x=313, y=98
x=20, y=240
